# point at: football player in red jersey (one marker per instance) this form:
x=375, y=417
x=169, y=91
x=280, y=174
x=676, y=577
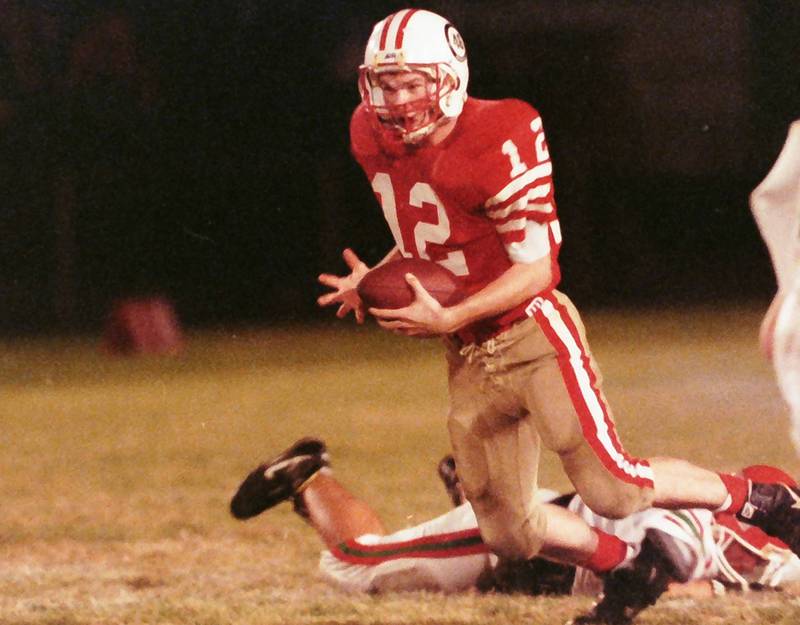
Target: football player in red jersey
x=468, y=183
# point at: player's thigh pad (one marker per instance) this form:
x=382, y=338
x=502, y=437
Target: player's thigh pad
x=555, y=371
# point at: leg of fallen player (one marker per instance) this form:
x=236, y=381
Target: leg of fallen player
x=337, y=514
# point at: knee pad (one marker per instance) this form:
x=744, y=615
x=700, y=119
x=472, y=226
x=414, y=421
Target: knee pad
x=617, y=500
x=509, y=533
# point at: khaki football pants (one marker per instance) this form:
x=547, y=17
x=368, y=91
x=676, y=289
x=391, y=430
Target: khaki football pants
x=536, y=384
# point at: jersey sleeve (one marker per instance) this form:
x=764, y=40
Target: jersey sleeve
x=517, y=182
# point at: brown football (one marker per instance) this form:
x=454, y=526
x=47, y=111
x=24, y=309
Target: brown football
x=386, y=286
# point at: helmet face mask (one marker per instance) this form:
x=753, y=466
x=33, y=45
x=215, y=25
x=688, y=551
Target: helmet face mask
x=407, y=118
x=413, y=43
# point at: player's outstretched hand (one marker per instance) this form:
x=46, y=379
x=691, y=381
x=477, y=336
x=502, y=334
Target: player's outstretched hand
x=344, y=287
x=424, y=317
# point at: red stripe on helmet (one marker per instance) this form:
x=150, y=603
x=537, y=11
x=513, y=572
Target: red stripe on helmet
x=385, y=33
x=398, y=42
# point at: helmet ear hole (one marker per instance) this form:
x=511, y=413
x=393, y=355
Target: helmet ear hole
x=451, y=102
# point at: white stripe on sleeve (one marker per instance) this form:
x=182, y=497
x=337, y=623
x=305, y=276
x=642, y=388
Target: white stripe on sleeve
x=534, y=246
x=519, y=183
x=536, y=193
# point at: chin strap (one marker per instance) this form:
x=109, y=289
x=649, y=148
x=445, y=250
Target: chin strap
x=418, y=135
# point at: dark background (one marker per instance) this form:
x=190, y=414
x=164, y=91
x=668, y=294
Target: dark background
x=199, y=150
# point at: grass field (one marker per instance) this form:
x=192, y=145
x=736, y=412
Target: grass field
x=115, y=473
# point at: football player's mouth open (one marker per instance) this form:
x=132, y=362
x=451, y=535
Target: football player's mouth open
x=414, y=119
x=409, y=120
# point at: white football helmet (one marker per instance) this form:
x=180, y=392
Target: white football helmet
x=415, y=40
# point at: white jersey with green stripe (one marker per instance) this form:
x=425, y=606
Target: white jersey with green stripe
x=446, y=554
x=709, y=547
x=691, y=528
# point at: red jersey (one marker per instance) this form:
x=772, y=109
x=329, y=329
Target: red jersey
x=475, y=203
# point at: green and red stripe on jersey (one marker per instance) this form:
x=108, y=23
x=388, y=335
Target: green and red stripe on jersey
x=688, y=522
x=450, y=545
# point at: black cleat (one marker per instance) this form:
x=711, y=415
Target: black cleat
x=278, y=479
x=447, y=471
x=775, y=508
x=628, y=591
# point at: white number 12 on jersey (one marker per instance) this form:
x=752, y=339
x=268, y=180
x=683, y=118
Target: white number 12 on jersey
x=424, y=232
x=511, y=150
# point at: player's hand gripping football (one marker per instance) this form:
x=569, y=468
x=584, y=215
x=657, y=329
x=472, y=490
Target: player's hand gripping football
x=344, y=287
x=424, y=317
